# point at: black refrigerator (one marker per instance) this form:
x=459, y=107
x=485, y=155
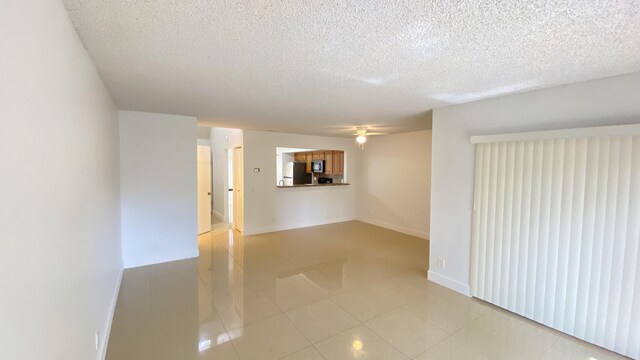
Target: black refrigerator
x=296, y=173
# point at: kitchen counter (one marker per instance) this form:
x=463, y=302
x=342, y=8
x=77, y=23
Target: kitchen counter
x=311, y=185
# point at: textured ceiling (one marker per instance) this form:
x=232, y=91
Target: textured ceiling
x=316, y=66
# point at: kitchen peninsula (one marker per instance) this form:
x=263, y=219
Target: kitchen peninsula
x=311, y=185
x=310, y=167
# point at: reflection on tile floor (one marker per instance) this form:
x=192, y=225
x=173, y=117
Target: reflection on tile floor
x=340, y=291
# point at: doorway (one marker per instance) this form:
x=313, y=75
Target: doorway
x=204, y=189
x=236, y=209
x=230, y=185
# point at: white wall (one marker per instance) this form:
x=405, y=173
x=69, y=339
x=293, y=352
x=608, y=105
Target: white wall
x=60, y=250
x=600, y=102
x=222, y=140
x=158, y=177
x=268, y=208
x=395, y=182
x=204, y=132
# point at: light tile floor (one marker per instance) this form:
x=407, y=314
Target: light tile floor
x=341, y=291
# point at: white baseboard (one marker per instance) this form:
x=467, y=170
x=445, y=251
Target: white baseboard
x=448, y=282
x=219, y=216
x=102, y=355
x=282, y=227
x=404, y=230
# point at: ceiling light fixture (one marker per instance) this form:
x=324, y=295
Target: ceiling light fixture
x=362, y=137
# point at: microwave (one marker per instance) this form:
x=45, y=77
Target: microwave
x=317, y=166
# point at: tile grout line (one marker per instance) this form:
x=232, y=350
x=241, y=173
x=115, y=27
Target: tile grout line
x=303, y=335
x=235, y=350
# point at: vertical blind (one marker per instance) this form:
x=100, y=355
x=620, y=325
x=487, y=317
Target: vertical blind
x=556, y=232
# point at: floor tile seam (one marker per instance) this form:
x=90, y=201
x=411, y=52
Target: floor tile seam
x=438, y=293
x=245, y=324
x=340, y=332
x=467, y=327
x=318, y=350
x=448, y=303
x=316, y=302
x=322, y=264
x=448, y=335
x=529, y=322
x=233, y=297
x=345, y=309
x=299, y=331
x=310, y=343
x=557, y=338
x=325, y=294
x=301, y=350
x=233, y=345
x=401, y=307
x=431, y=322
x=439, y=341
x=451, y=337
x=385, y=279
x=412, y=285
x=315, y=346
x=459, y=332
x=273, y=299
x=232, y=340
x=251, y=322
x=396, y=302
x=201, y=278
x=385, y=340
x=255, y=322
x=387, y=312
x=225, y=328
x=337, y=334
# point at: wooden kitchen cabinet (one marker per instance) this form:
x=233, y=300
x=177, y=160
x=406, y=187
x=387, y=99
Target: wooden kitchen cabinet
x=309, y=160
x=300, y=156
x=307, y=157
x=328, y=162
x=338, y=162
x=333, y=160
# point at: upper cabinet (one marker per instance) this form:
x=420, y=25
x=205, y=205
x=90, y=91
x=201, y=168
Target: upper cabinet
x=309, y=160
x=338, y=162
x=300, y=156
x=333, y=160
x=328, y=162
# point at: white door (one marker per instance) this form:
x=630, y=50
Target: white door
x=238, y=190
x=229, y=186
x=204, y=189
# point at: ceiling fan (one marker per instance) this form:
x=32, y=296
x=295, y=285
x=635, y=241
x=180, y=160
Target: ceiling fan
x=362, y=133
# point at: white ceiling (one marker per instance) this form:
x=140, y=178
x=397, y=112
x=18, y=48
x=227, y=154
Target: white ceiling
x=323, y=67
